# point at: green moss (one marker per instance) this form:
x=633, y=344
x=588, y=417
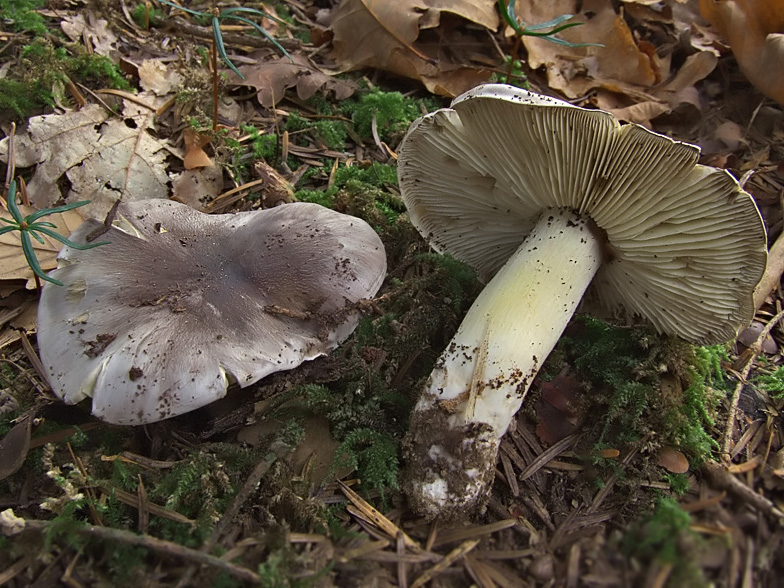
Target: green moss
x=625, y=366
x=39, y=79
x=393, y=112
x=772, y=382
x=322, y=197
x=21, y=100
x=665, y=537
x=374, y=455
x=147, y=16
x=22, y=15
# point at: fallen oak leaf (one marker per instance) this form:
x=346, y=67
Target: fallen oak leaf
x=102, y=158
x=387, y=41
x=576, y=70
x=271, y=79
x=368, y=32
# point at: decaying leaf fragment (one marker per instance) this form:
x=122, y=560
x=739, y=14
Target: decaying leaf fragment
x=575, y=70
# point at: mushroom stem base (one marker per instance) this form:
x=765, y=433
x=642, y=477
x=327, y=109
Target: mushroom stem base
x=480, y=381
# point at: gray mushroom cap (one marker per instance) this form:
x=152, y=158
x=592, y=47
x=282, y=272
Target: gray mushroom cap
x=150, y=325
x=686, y=245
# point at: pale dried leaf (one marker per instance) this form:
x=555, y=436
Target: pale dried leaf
x=103, y=158
x=93, y=30
x=271, y=79
x=13, y=264
x=156, y=77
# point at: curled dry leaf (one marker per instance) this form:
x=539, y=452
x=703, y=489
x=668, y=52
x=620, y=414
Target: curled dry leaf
x=755, y=32
x=195, y=155
x=575, y=70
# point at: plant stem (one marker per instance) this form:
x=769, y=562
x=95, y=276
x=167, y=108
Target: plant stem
x=214, y=85
x=480, y=381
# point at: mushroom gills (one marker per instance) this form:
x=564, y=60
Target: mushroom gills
x=508, y=332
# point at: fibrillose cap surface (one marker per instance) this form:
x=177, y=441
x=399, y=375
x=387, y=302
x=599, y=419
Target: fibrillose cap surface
x=688, y=244
x=150, y=325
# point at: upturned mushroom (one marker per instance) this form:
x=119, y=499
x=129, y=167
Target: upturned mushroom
x=554, y=204
x=153, y=324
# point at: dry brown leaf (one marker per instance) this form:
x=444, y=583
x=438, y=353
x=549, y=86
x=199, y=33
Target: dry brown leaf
x=575, y=70
x=14, y=447
x=91, y=30
x=13, y=264
x=673, y=461
x=755, y=31
x=197, y=187
x=102, y=158
x=482, y=12
x=272, y=78
x=674, y=94
x=368, y=32
x=195, y=156
x=387, y=40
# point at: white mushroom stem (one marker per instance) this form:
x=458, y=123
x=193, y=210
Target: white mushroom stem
x=480, y=381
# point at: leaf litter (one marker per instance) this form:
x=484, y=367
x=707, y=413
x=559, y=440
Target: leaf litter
x=576, y=502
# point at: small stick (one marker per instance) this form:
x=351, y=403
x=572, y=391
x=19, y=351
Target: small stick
x=773, y=271
x=277, y=451
x=153, y=543
x=721, y=479
x=754, y=349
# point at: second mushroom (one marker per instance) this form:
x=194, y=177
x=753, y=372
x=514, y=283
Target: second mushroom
x=554, y=205
x=155, y=323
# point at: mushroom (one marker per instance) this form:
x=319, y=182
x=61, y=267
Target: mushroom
x=554, y=204
x=153, y=324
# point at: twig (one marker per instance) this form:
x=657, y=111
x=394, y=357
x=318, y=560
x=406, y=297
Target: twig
x=153, y=543
x=721, y=479
x=448, y=560
x=234, y=38
x=773, y=272
x=744, y=374
x=277, y=451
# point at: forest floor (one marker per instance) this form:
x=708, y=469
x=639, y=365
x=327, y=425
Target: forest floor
x=637, y=459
